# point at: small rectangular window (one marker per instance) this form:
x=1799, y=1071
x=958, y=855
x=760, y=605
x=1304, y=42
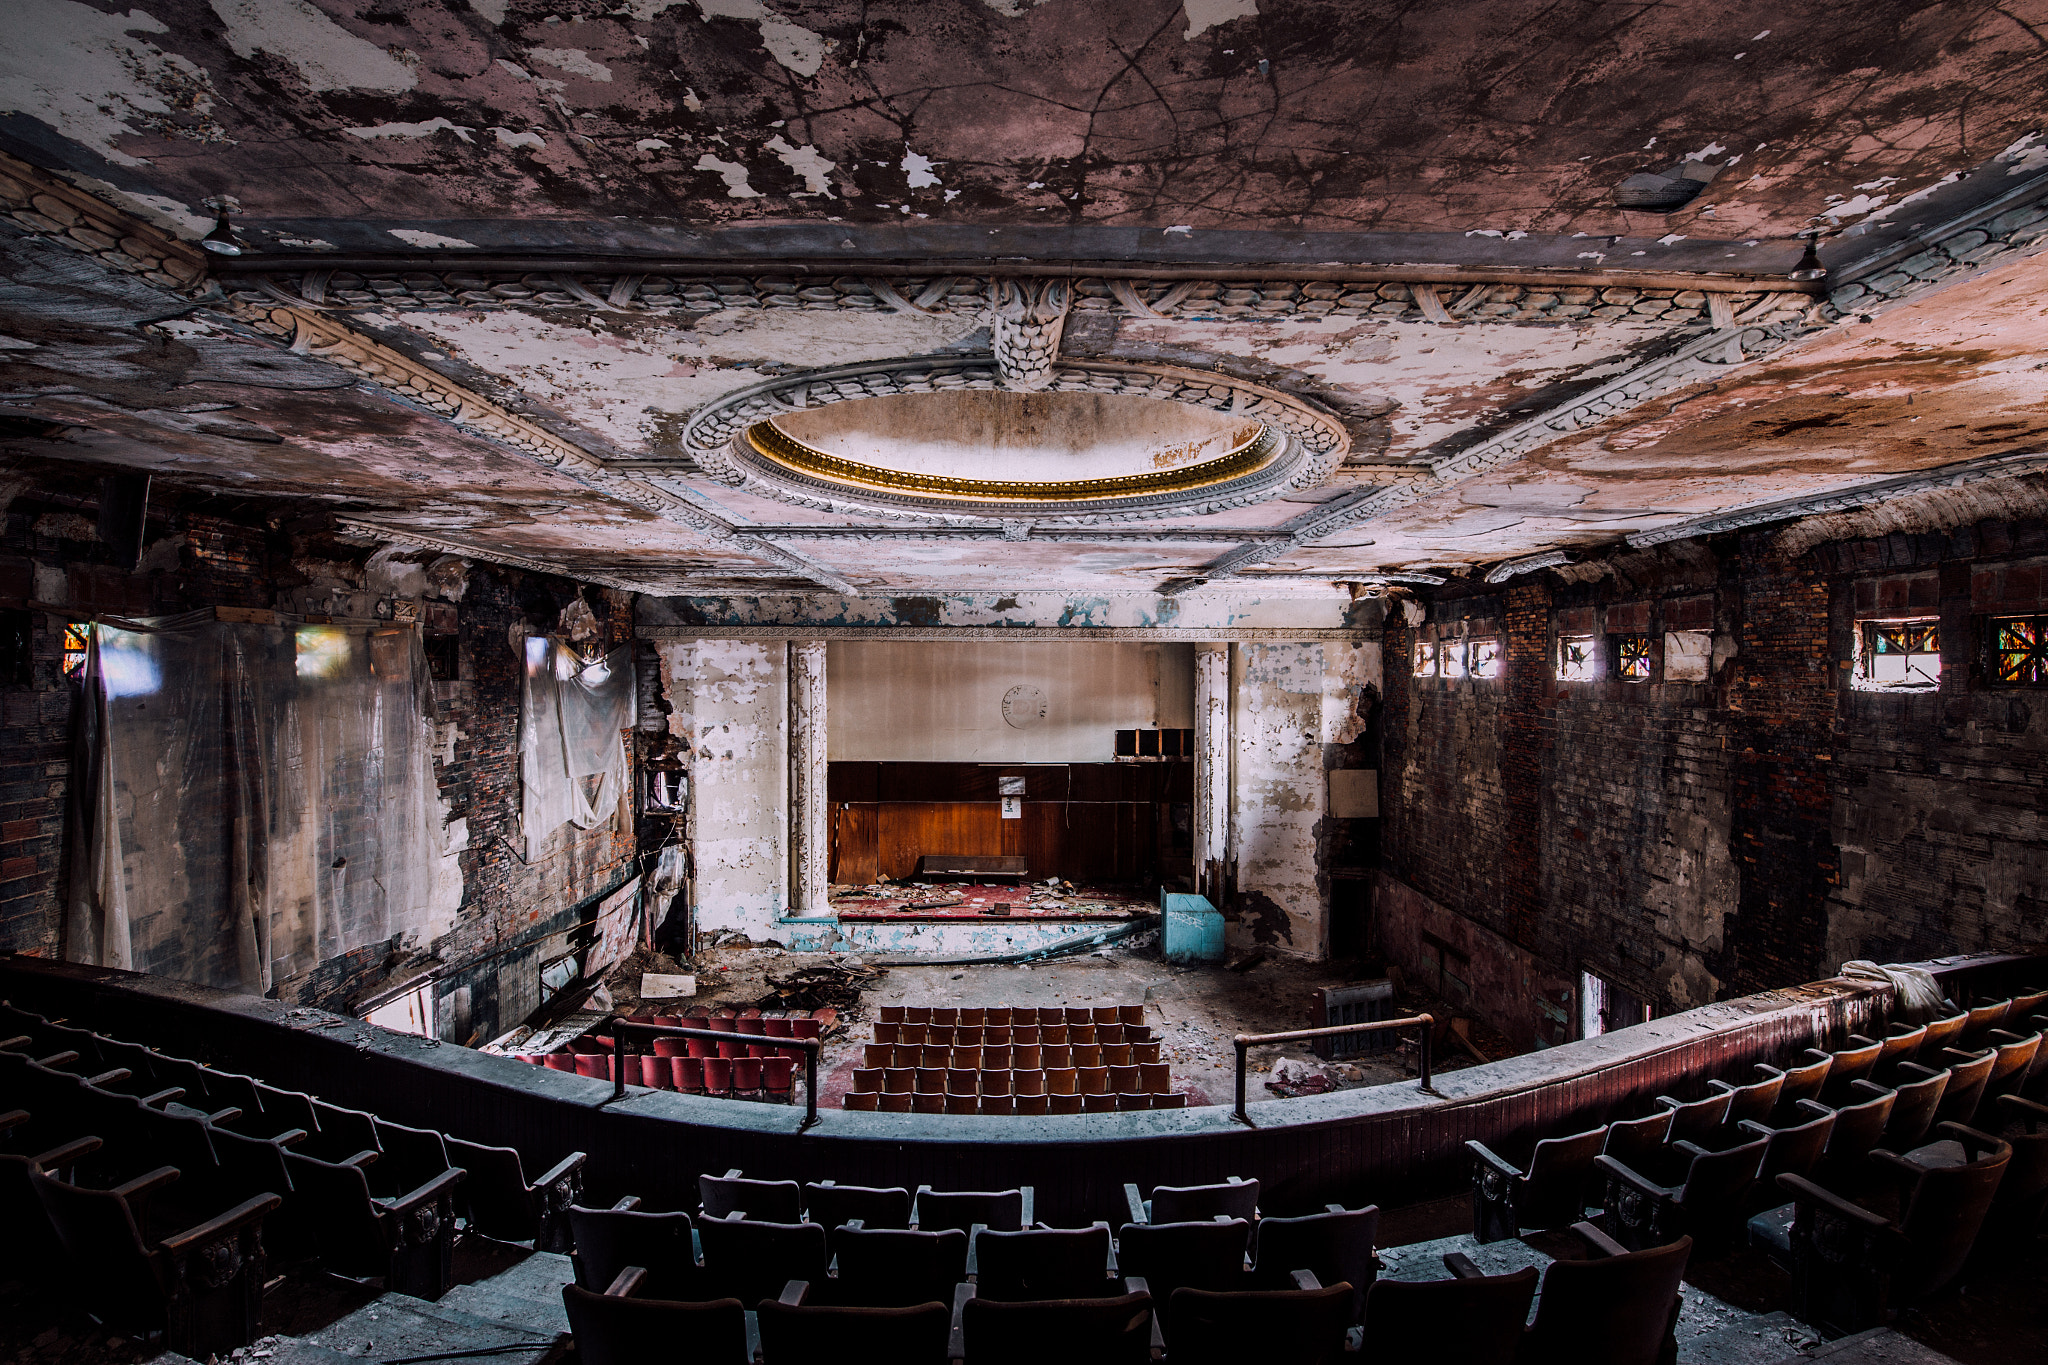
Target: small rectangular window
x=1425, y=658
x=77, y=635
x=1577, y=659
x=2019, y=650
x=1482, y=658
x=1450, y=658
x=1898, y=656
x=1632, y=658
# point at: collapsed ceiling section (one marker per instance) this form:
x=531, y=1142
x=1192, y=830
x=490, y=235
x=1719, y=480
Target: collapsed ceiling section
x=1223, y=295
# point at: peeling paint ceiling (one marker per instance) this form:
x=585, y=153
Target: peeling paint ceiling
x=502, y=255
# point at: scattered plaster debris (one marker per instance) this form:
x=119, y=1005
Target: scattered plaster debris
x=1761, y=36
x=1711, y=150
x=493, y=11
x=573, y=60
x=327, y=55
x=1883, y=182
x=415, y=237
x=1204, y=15
x=508, y=138
x=427, y=129
x=1484, y=232
x=1671, y=239
x=1862, y=203
x=796, y=47
x=308, y=243
x=807, y=161
x=651, y=144
x=919, y=168
x=691, y=100
x=1011, y=9
x=115, y=85
x=735, y=175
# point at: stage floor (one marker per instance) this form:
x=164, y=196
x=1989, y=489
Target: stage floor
x=945, y=902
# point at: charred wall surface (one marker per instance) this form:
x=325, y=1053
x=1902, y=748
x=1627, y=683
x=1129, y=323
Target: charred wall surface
x=1749, y=813
x=214, y=553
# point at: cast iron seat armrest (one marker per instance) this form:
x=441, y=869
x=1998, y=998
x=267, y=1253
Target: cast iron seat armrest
x=1485, y=1154
x=1461, y=1266
x=148, y=1183
x=562, y=1170
x=1109, y=1269
x=626, y=1282
x=20, y=1042
x=1804, y=1191
x=107, y=1078
x=432, y=1190
x=290, y=1137
x=1869, y=1090
x=12, y=1119
x=2029, y=1112
x=956, y=1336
x=1975, y=1142
x=169, y=1095
x=250, y=1211
x=1598, y=1242
x=57, y=1061
x=1631, y=1177
x=223, y=1117
x=1133, y=1202
x=974, y=1249
x=61, y=1158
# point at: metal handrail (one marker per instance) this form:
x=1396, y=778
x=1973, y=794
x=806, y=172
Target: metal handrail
x=811, y=1048
x=1246, y=1041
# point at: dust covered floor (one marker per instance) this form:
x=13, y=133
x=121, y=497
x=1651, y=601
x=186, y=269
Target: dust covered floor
x=1194, y=1011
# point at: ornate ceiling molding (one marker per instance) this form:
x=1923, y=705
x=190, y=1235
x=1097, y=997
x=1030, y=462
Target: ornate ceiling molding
x=716, y=438
x=417, y=540
x=58, y=211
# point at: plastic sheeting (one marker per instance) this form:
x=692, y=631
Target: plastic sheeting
x=258, y=799
x=572, y=761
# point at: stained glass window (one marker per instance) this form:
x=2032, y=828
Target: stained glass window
x=1577, y=660
x=1632, y=657
x=2019, y=650
x=1900, y=654
x=76, y=636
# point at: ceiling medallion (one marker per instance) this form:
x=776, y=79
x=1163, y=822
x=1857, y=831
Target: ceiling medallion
x=948, y=437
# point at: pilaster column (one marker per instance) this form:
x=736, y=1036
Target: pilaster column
x=1212, y=767
x=809, y=812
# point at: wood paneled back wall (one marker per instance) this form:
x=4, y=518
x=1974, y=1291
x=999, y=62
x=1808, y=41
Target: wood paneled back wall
x=1087, y=822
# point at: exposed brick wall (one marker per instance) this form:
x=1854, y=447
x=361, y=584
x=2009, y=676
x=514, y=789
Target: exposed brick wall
x=513, y=915
x=1692, y=841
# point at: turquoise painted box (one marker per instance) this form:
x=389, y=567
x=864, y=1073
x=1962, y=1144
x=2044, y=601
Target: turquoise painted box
x=1191, y=929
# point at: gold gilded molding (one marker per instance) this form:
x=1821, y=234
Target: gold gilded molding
x=778, y=446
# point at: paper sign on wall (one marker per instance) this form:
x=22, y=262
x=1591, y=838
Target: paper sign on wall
x=1013, y=808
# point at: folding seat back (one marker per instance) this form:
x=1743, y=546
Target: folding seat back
x=1170, y=1256
x=609, y=1240
x=1805, y=1079
x=1616, y=1309
x=1636, y=1142
x=1754, y=1101
x=1917, y=1090
x=2023, y=1193
x=411, y=1157
x=500, y=1204
x=1044, y=1263
x=2016, y=1055
x=1643, y=1213
x=856, y=1336
x=1198, y=1203
x=1204, y=1327
x=1948, y=1205
x=1796, y=1149
x=1983, y=1018
x=1091, y=1331
x=771, y=1201
x=1002, y=1210
x=1851, y=1064
x=30, y=1251
x=1902, y=1042
x=1859, y=1127
x=1474, y=1321
x=1943, y=1032
x=1967, y=1077
x=1696, y=1121
x=750, y=1260
x=830, y=1205
x=895, y=1267
x=288, y=1108
x=343, y=1133
x=616, y=1330
x=109, y=1263
x=1336, y=1246
x=1550, y=1193
x=332, y=1211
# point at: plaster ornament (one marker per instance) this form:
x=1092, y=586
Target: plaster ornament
x=1030, y=315
x=1023, y=706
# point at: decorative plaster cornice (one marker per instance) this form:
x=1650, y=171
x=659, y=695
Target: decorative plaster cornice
x=1843, y=500
x=1515, y=568
x=419, y=540
x=58, y=211
x=1176, y=634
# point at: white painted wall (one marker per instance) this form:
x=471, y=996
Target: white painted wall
x=1288, y=701
x=730, y=699
x=931, y=702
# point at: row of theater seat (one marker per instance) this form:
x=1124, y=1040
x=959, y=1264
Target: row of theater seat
x=1874, y=1137
x=1011, y=1016
x=116, y=1154
x=1009, y=1056
x=1193, y=1273
x=1013, y=1060
x=749, y=1066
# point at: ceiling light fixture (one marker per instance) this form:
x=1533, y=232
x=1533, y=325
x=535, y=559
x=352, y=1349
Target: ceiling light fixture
x=222, y=240
x=1809, y=267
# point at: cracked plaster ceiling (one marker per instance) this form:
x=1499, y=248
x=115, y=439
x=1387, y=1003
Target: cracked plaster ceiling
x=508, y=257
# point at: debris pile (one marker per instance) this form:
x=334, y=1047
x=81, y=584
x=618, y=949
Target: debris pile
x=836, y=985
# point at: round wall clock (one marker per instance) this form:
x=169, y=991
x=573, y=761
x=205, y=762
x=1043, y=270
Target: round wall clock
x=1023, y=705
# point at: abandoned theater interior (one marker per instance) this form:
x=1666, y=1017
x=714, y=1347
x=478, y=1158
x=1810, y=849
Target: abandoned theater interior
x=1011, y=680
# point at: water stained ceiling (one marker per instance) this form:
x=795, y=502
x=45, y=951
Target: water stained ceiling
x=520, y=277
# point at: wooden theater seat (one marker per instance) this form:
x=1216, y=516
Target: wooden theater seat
x=1547, y=1191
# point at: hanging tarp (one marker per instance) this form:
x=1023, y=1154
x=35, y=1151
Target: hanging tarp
x=254, y=799
x=572, y=759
